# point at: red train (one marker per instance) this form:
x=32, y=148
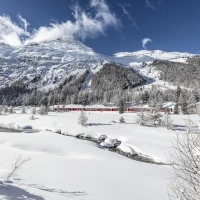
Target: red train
x=110, y=109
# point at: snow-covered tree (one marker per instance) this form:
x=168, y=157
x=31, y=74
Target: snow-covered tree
x=32, y=117
x=192, y=106
x=42, y=110
x=185, y=161
x=183, y=103
x=82, y=120
x=121, y=107
x=140, y=118
x=5, y=109
x=176, y=109
x=1, y=110
x=154, y=118
x=58, y=108
x=10, y=110
x=122, y=120
x=23, y=110
x=167, y=121
x=33, y=111
x=47, y=108
x=159, y=102
x=63, y=107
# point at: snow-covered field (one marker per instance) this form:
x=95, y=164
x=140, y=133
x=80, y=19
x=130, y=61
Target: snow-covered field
x=63, y=167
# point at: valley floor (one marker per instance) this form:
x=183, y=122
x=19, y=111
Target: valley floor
x=63, y=167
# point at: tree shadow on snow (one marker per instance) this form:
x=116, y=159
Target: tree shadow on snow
x=176, y=127
x=11, y=192
x=58, y=191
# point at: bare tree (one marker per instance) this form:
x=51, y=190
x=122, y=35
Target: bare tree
x=185, y=161
x=19, y=162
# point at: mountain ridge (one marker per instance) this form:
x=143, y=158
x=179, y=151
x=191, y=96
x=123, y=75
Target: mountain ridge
x=50, y=62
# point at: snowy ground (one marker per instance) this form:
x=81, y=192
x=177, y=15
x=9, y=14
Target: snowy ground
x=63, y=167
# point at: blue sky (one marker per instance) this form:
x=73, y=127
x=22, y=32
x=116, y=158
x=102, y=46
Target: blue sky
x=107, y=26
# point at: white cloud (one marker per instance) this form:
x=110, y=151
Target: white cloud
x=128, y=15
x=149, y=4
x=85, y=25
x=10, y=32
x=145, y=41
x=24, y=22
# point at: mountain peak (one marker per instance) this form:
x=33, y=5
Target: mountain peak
x=66, y=45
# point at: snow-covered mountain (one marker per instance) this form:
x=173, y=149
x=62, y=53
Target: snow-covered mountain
x=48, y=63
x=139, y=57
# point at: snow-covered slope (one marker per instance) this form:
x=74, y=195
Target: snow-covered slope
x=48, y=63
x=139, y=58
x=51, y=62
x=155, y=54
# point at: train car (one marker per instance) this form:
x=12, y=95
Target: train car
x=111, y=109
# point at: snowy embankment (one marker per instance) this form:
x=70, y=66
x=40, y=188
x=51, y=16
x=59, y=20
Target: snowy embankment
x=67, y=168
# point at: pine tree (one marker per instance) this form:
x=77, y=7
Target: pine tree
x=10, y=110
x=58, y=108
x=121, y=107
x=159, y=102
x=33, y=111
x=82, y=120
x=1, y=110
x=192, y=107
x=140, y=118
x=183, y=103
x=42, y=110
x=176, y=109
x=145, y=97
x=23, y=111
x=167, y=121
x=45, y=110
x=63, y=107
x=5, y=109
x=153, y=118
x=178, y=93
